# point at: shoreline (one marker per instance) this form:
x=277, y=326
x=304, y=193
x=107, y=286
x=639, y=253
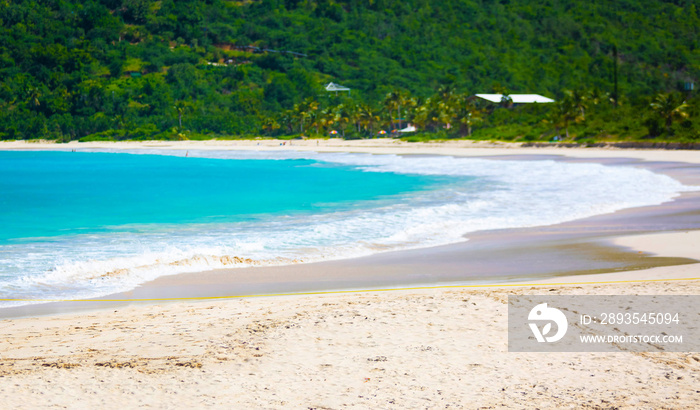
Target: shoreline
x=574, y=248
x=376, y=146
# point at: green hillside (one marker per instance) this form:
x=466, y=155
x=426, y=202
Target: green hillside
x=139, y=69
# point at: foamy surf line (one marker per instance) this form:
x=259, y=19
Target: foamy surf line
x=480, y=194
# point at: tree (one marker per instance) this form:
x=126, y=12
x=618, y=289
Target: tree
x=181, y=107
x=578, y=100
x=33, y=96
x=563, y=114
x=343, y=117
x=287, y=120
x=135, y=11
x=328, y=118
x=432, y=114
x=447, y=93
x=466, y=114
x=270, y=124
x=669, y=107
x=304, y=110
x=506, y=101
x=368, y=117
x=315, y=118
x=394, y=101
x=391, y=103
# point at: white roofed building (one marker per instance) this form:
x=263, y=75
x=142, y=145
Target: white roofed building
x=336, y=87
x=516, y=98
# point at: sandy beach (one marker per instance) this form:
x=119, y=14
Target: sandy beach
x=442, y=343
x=375, y=146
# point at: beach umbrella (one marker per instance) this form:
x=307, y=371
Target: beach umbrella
x=334, y=132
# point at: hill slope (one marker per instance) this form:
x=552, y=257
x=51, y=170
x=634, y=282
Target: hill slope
x=142, y=68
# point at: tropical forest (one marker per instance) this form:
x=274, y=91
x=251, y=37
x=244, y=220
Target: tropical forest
x=87, y=70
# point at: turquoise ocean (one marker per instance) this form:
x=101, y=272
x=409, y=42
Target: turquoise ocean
x=90, y=223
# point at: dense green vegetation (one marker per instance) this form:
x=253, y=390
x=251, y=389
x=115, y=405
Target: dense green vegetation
x=141, y=69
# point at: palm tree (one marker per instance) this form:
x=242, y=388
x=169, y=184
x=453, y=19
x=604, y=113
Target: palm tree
x=327, y=117
x=446, y=91
x=466, y=114
x=449, y=98
x=287, y=120
x=181, y=107
x=431, y=114
x=421, y=115
x=315, y=119
x=343, y=117
x=33, y=95
x=407, y=108
x=669, y=107
x=368, y=117
x=270, y=124
x=448, y=95
x=354, y=113
x=398, y=101
x=564, y=114
x=596, y=96
x=304, y=110
x=506, y=101
x=578, y=100
x=298, y=115
x=392, y=103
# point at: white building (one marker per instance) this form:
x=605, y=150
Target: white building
x=516, y=98
x=336, y=87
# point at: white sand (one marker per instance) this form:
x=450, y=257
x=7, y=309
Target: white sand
x=672, y=244
x=399, y=349
x=378, y=146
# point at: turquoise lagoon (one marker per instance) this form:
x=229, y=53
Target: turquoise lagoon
x=85, y=224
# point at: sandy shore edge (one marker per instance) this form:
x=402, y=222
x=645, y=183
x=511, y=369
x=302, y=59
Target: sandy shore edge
x=373, y=146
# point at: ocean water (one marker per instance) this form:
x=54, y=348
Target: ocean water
x=86, y=224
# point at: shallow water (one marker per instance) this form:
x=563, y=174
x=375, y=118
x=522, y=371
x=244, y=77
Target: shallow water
x=84, y=224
